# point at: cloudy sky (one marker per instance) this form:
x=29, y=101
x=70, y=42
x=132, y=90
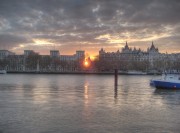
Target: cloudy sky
x=69, y=25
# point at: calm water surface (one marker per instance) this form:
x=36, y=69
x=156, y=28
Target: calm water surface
x=86, y=104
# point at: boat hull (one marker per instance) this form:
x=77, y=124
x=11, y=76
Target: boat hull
x=166, y=85
x=2, y=71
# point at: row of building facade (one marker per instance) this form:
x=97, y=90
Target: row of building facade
x=151, y=59
x=126, y=59
x=31, y=61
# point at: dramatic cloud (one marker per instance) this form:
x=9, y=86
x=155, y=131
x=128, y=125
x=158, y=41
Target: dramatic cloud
x=69, y=25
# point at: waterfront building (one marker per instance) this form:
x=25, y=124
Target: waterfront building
x=29, y=52
x=77, y=56
x=80, y=54
x=129, y=53
x=5, y=53
x=54, y=53
x=15, y=63
x=30, y=61
x=66, y=62
x=133, y=58
x=127, y=59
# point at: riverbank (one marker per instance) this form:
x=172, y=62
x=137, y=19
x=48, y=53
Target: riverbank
x=81, y=72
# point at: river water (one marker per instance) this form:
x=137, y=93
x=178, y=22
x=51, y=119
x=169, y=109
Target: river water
x=36, y=103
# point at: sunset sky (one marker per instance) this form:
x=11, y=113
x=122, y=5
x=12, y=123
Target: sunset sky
x=70, y=25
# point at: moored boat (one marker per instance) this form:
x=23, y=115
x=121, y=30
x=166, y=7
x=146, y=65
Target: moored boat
x=168, y=81
x=2, y=71
x=136, y=73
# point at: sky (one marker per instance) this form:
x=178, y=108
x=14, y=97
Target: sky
x=70, y=25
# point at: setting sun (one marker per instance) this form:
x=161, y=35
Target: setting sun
x=86, y=63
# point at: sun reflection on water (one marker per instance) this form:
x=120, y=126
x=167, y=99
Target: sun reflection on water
x=86, y=96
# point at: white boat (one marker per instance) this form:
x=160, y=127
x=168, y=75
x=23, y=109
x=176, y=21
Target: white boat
x=168, y=81
x=136, y=73
x=3, y=72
